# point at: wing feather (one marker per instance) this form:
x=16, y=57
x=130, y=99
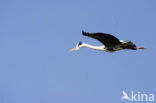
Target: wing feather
x=107, y=39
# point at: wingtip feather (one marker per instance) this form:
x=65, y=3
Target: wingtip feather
x=84, y=33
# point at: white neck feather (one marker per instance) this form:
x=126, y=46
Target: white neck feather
x=93, y=47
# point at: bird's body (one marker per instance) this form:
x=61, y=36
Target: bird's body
x=110, y=43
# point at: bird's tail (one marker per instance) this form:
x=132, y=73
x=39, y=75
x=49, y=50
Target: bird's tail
x=128, y=45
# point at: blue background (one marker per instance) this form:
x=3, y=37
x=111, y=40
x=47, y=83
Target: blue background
x=37, y=67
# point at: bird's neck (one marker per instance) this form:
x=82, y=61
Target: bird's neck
x=93, y=47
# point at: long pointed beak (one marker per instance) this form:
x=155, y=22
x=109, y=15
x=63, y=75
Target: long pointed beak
x=74, y=49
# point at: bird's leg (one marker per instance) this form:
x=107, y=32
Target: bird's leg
x=140, y=48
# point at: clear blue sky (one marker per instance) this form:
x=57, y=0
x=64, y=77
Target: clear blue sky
x=36, y=35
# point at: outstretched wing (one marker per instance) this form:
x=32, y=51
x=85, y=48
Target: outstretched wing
x=107, y=39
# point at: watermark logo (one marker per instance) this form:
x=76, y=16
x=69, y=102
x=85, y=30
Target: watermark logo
x=137, y=96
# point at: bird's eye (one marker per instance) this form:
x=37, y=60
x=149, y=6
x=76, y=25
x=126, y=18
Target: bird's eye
x=79, y=43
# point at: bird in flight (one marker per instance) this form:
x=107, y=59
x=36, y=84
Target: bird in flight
x=110, y=43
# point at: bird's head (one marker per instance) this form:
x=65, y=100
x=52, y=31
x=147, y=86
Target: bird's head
x=78, y=46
